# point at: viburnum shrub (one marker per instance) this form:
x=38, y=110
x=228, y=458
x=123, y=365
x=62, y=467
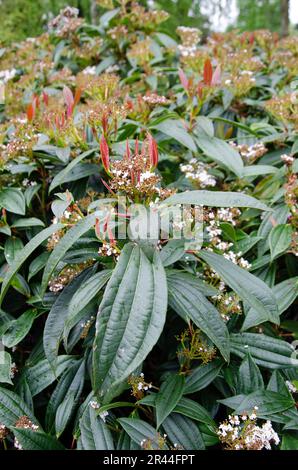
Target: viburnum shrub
x=148, y=237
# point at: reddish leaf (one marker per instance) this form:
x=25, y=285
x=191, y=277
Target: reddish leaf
x=77, y=96
x=183, y=79
x=45, y=98
x=216, y=78
x=69, y=100
x=153, y=151
x=208, y=72
x=105, y=155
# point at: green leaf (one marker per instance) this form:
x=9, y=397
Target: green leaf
x=249, y=376
x=278, y=216
x=12, y=407
x=216, y=199
x=250, y=288
x=5, y=367
x=222, y=153
x=175, y=129
x=130, y=319
x=12, y=199
x=289, y=441
x=24, y=254
x=54, y=326
x=36, y=440
x=41, y=375
x=62, y=176
x=37, y=264
x=18, y=329
x=195, y=281
x=29, y=222
x=194, y=411
x=95, y=435
x=70, y=400
x=140, y=431
x=285, y=293
x=172, y=252
x=167, y=398
x=189, y=302
x=64, y=244
x=202, y=376
x=267, y=402
x=12, y=248
x=280, y=239
x=267, y=352
x=183, y=432
x=87, y=291
x=257, y=170
x=59, y=394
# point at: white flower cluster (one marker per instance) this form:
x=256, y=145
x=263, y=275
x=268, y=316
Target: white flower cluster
x=95, y=405
x=198, y=173
x=250, y=152
x=291, y=387
x=6, y=75
x=112, y=68
x=108, y=250
x=243, y=433
x=155, y=99
x=90, y=70
x=142, y=385
x=287, y=159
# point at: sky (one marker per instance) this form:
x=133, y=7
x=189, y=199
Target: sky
x=220, y=23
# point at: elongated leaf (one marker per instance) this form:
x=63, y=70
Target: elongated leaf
x=250, y=288
x=222, y=153
x=59, y=394
x=54, y=326
x=130, y=319
x=183, y=432
x=87, y=290
x=280, y=239
x=175, y=129
x=61, y=177
x=140, y=431
x=18, y=329
x=68, y=404
x=12, y=408
x=5, y=367
x=216, y=199
x=257, y=170
x=194, y=411
x=24, y=254
x=36, y=440
x=267, y=402
x=65, y=243
x=30, y=222
x=249, y=376
x=95, y=435
x=194, y=281
x=172, y=252
x=285, y=293
x=266, y=351
x=202, y=376
x=278, y=216
x=12, y=199
x=167, y=398
x=41, y=375
x=189, y=302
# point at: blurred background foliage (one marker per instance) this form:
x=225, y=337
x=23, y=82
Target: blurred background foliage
x=25, y=18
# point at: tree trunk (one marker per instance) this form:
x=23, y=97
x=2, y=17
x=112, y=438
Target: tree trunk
x=284, y=10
